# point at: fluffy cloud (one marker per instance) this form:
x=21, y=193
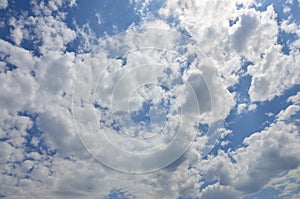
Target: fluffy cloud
x=265, y=156
x=3, y=4
x=18, y=86
x=252, y=35
x=59, y=166
x=273, y=76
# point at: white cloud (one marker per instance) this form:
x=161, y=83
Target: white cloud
x=273, y=75
x=87, y=38
x=17, y=56
x=72, y=3
x=276, y=157
x=72, y=172
x=241, y=36
x=51, y=32
x=288, y=112
x=55, y=121
x=253, y=36
x=118, y=82
x=99, y=18
x=3, y=4
x=216, y=191
x=17, y=34
x=269, y=114
x=295, y=99
x=241, y=108
x=287, y=183
x=17, y=90
x=252, y=107
x=268, y=159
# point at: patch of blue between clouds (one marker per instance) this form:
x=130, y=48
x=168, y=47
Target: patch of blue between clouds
x=207, y=183
x=284, y=38
x=114, y=17
x=189, y=197
x=34, y=132
x=142, y=116
x=265, y=193
x=247, y=123
x=118, y=194
x=15, y=8
x=18, y=9
x=279, y=9
x=40, y=148
x=152, y=8
x=233, y=21
x=8, y=66
x=274, y=193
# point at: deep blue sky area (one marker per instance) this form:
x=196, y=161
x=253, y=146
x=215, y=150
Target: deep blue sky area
x=104, y=17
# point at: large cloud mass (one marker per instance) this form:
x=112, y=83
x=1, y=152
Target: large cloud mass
x=192, y=56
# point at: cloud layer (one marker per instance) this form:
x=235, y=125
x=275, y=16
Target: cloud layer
x=195, y=51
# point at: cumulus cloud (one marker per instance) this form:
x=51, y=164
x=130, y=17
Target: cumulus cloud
x=249, y=169
x=3, y=4
x=36, y=95
x=252, y=35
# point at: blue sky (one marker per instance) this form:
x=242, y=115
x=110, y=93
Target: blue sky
x=150, y=99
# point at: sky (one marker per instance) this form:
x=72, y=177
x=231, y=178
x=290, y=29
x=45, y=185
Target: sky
x=150, y=99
